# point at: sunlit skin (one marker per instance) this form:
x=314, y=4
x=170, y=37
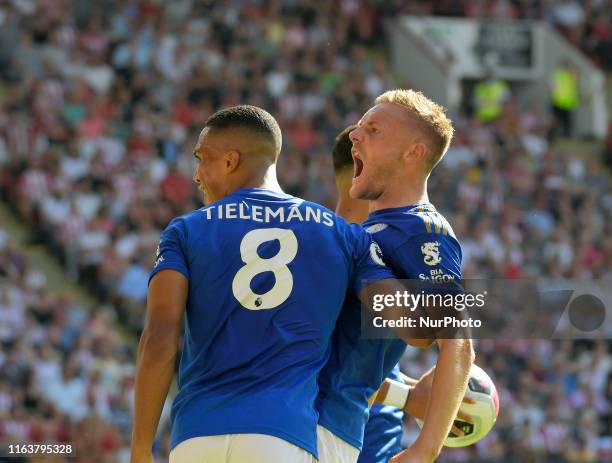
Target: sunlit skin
x=390, y=158
x=209, y=169
x=228, y=162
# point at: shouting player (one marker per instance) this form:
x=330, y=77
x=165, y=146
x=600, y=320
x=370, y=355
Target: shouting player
x=396, y=145
x=257, y=279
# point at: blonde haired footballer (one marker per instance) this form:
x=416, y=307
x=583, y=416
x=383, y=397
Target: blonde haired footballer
x=395, y=146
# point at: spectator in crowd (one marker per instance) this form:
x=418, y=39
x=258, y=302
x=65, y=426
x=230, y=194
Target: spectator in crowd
x=490, y=94
x=564, y=97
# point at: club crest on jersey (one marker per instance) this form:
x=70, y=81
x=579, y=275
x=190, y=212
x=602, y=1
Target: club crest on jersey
x=376, y=253
x=431, y=253
x=376, y=228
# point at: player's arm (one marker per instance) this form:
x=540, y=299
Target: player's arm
x=157, y=352
x=448, y=388
x=449, y=383
x=394, y=393
x=158, y=347
x=456, y=355
x=408, y=380
x=412, y=396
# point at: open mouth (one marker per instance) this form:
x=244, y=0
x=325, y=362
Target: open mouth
x=358, y=164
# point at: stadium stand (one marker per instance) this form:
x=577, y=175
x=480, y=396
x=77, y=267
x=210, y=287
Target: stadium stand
x=67, y=374
x=100, y=105
x=585, y=24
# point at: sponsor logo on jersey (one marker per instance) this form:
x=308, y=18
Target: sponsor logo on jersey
x=431, y=253
x=436, y=275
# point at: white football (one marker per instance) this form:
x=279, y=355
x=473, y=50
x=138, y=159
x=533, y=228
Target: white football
x=484, y=411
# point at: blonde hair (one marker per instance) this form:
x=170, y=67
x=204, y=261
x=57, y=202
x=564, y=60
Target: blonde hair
x=431, y=118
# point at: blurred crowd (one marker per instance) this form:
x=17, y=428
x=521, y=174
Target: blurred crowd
x=66, y=375
x=100, y=107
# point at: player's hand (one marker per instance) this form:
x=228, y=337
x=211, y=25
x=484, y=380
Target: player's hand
x=419, y=397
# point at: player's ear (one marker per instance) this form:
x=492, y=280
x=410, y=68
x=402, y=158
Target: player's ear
x=232, y=160
x=416, y=152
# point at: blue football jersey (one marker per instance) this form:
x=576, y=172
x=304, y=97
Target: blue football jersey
x=267, y=276
x=383, y=432
x=417, y=243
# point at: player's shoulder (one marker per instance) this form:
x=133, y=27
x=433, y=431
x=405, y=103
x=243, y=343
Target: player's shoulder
x=331, y=218
x=183, y=224
x=187, y=218
x=426, y=219
x=303, y=203
x=410, y=221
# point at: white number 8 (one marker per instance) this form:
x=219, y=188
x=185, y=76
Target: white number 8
x=254, y=265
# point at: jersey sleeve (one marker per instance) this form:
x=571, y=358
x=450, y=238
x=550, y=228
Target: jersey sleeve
x=171, y=250
x=368, y=261
x=431, y=258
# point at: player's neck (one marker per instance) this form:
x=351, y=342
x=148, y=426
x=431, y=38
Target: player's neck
x=267, y=182
x=401, y=195
x=350, y=209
